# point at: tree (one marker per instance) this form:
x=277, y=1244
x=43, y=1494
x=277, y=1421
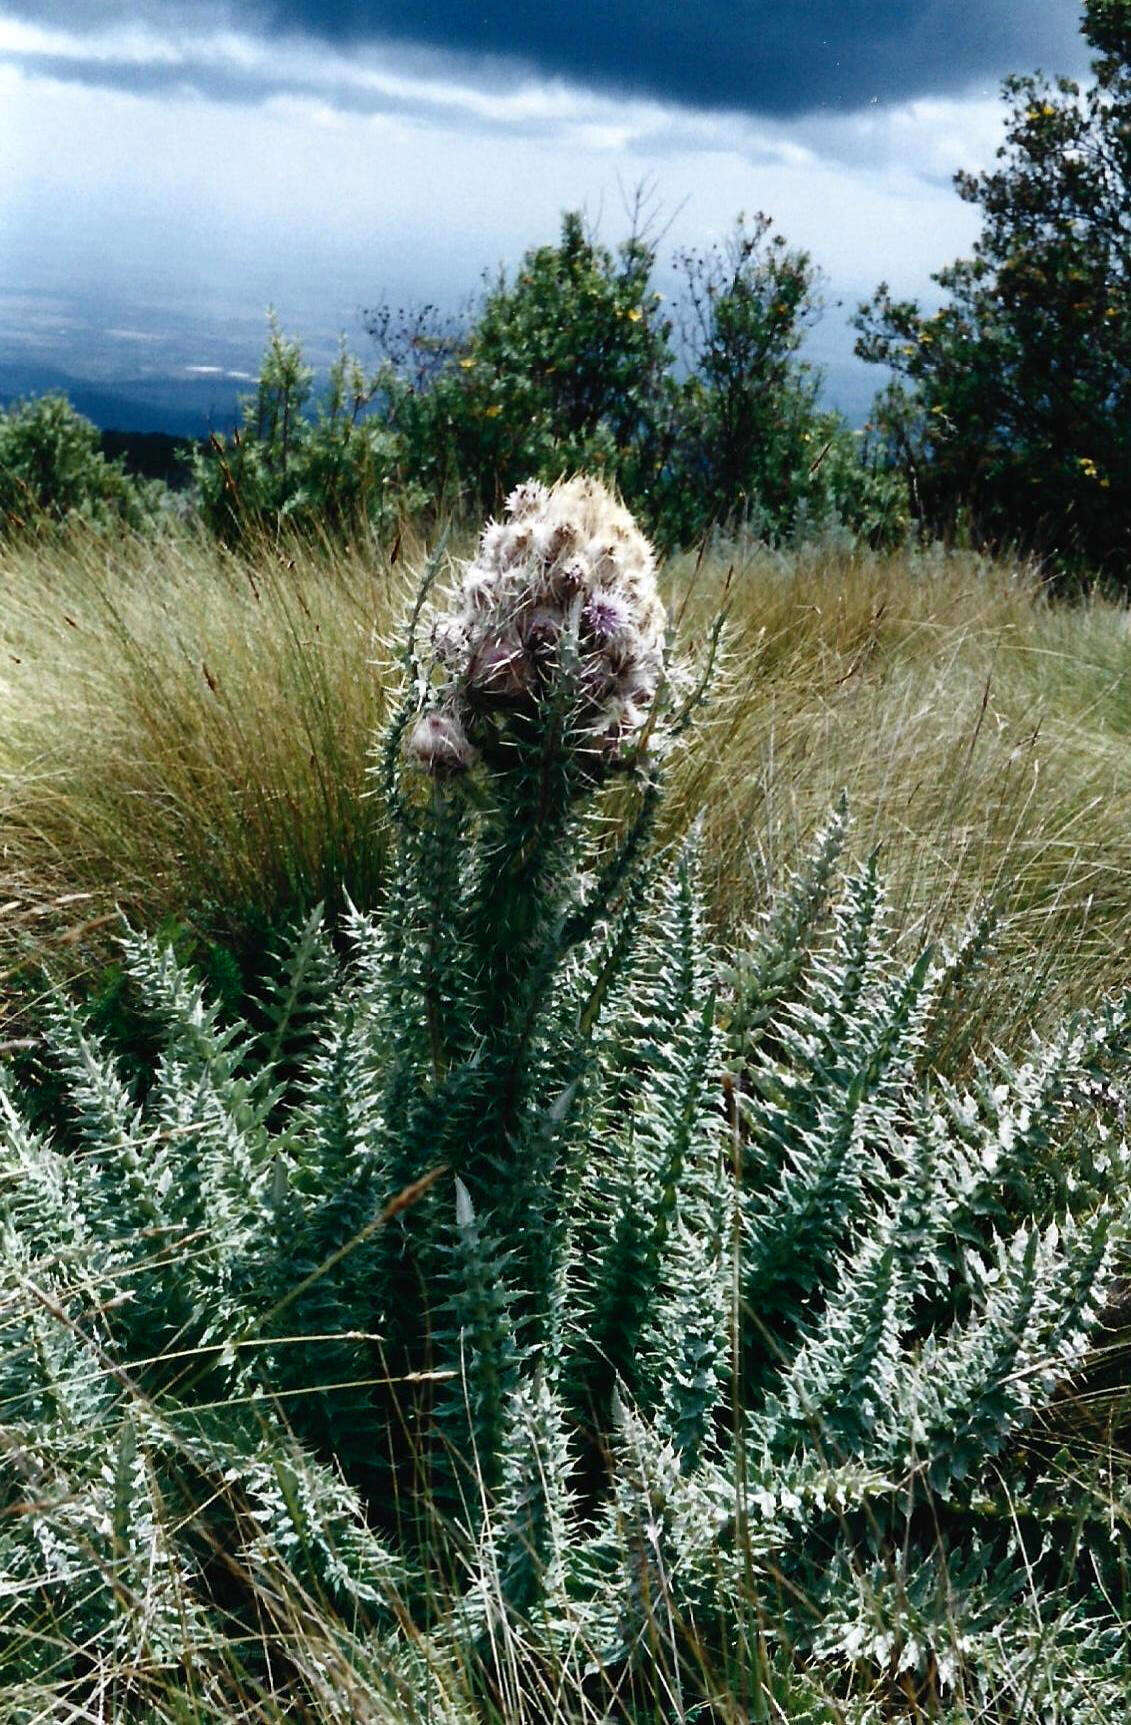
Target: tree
x=1015, y=408
x=333, y=471
x=753, y=446
x=571, y=365
x=749, y=409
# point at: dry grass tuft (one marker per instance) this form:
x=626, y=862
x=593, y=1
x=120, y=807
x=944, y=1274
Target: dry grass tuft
x=186, y=733
x=982, y=734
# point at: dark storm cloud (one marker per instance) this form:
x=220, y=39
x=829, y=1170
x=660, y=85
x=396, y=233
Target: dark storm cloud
x=768, y=56
x=779, y=57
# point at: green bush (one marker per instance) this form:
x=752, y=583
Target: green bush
x=331, y=472
x=751, y=445
x=565, y=368
x=51, y=468
x=589, y=1316
x=572, y=366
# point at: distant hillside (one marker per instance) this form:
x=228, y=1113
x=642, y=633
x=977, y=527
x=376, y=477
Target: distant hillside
x=149, y=454
x=181, y=407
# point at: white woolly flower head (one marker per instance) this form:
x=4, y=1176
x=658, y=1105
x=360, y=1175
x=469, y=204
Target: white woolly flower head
x=439, y=744
x=565, y=581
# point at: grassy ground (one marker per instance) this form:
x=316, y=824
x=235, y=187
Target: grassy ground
x=185, y=734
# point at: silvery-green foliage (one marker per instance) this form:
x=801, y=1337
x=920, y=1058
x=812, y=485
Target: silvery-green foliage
x=538, y=1291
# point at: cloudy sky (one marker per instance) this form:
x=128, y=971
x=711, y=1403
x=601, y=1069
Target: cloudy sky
x=167, y=169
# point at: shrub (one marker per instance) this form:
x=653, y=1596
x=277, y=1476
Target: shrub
x=52, y=468
x=332, y=473
x=571, y=366
x=588, y=1316
x=566, y=367
x=750, y=446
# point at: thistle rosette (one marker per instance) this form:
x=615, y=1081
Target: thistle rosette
x=557, y=614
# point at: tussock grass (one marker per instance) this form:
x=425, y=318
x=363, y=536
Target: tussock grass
x=185, y=734
x=981, y=734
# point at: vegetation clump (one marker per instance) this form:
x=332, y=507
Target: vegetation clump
x=331, y=472
x=704, y=414
x=565, y=366
x=1015, y=411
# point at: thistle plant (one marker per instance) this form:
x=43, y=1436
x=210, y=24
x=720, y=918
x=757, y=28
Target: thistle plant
x=542, y=683
x=543, y=680
x=547, y=1302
